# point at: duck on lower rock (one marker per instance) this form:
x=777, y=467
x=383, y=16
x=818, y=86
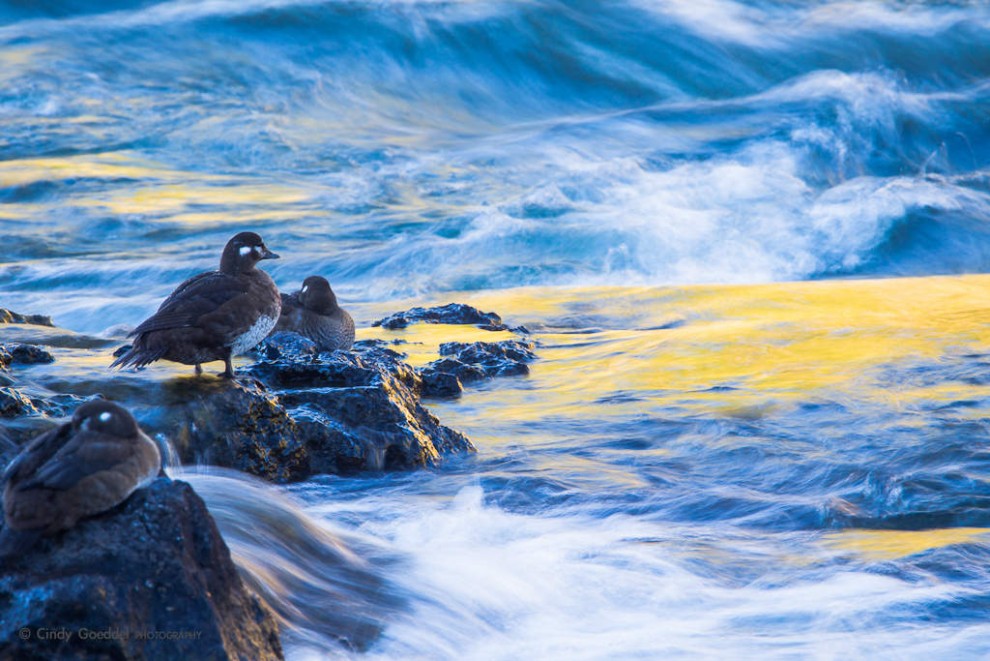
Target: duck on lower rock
x=313, y=312
x=214, y=315
x=80, y=469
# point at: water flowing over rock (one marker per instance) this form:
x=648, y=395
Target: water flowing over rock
x=25, y=354
x=14, y=403
x=151, y=579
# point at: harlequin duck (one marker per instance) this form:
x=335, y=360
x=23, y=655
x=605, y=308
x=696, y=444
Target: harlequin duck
x=82, y=468
x=213, y=315
x=313, y=313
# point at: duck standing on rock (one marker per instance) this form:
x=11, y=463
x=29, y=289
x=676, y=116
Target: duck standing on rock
x=80, y=469
x=214, y=315
x=313, y=312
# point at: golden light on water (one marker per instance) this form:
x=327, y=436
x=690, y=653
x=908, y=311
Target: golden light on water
x=880, y=545
x=188, y=198
x=757, y=346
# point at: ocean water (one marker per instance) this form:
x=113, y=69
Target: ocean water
x=747, y=237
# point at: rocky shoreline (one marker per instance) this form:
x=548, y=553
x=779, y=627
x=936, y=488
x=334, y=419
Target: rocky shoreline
x=293, y=414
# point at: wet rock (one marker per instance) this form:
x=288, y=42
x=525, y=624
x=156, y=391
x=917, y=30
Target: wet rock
x=286, y=344
x=452, y=313
x=479, y=360
x=14, y=403
x=150, y=579
x=440, y=384
x=5, y=358
x=29, y=354
x=11, y=317
x=235, y=424
x=360, y=412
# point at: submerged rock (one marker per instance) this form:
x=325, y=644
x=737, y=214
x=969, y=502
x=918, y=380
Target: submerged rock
x=465, y=363
x=452, y=313
x=14, y=403
x=150, y=579
x=27, y=354
x=11, y=317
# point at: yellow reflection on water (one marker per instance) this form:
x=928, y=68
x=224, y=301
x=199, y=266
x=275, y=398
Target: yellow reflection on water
x=110, y=165
x=179, y=196
x=882, y=545
x=739, y=350
x=174, y=198
x=421, y=342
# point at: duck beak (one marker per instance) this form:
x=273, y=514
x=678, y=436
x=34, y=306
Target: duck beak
x=268, y=254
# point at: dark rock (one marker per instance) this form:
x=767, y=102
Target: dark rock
x=440, y=384
x=150, y=579
x=236, y=424
x=452, y=313
x=5, y=358
x=30, y=354
x=360, y=412
x=480, y=360
x=14, y=403
x=286, y=344
x=11, y=317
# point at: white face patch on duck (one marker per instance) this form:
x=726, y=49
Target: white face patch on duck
x=245, y=251
x=105, y=416
x=304, y=289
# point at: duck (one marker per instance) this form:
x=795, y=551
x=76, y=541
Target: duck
x=313, y=312
x=214, y=315
x=82, y=468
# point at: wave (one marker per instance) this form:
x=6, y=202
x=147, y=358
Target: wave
x=409, y=147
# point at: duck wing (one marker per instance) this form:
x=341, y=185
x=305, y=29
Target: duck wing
x=85, y=454
x=193, y=299
x=36, y=454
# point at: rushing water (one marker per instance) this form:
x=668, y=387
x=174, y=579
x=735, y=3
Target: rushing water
x=731, y=470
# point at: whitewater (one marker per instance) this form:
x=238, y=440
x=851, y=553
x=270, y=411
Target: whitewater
x=749, y=240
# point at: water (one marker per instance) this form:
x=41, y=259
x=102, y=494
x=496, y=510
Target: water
x=737, y=441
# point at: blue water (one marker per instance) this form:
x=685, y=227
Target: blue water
x=412, y=148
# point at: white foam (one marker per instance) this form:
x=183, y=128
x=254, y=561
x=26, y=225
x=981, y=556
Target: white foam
x=490, y=584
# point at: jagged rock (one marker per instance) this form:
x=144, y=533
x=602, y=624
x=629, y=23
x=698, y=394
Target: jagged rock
x=440, y=384
x=29, y=354
x=5, y=358
x=11, y=317
x=452, y=313
x=151, y=579
x=14, y=403
x=360, y=412
x=479, y=360
x=236, y=424
x=286, y=344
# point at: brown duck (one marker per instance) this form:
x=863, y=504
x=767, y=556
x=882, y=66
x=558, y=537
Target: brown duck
x=313, y=312
x=80, y=469
x=214, y=315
